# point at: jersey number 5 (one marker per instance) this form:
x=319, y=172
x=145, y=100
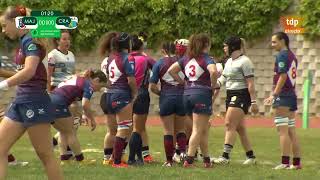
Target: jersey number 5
x=111, y=72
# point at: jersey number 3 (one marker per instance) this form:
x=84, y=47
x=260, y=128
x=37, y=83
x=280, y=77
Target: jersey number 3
x=193, y=70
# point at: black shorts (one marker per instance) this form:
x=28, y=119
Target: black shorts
x=103, y=103
x=239, y=98
x=142, y=103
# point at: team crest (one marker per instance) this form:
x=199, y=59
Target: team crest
x=281, y=64
x=32, y=47
x=234, y=98
x=29, y=113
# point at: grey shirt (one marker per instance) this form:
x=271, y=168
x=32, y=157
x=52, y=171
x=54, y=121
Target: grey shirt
x=235, y=73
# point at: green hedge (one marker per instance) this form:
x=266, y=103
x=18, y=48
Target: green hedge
x=310, y=11
x=165, y=19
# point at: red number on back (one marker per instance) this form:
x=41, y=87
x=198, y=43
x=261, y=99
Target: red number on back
x=112, y=72
x=193, y=72
x=294, y=73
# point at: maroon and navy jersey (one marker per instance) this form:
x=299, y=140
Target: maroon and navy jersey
x=74, y=89
x=143, y=64
x=286, y=62
x=197, y=74
x=119, y=67
x=160, y=72
x=38, y=83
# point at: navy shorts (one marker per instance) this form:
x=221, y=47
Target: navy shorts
x=112, y=103
x=239, y=99
x=61, y=106
x=31, y=113
x=286, y=101
x=142, y=103
x=198, y=104
x=171, y=104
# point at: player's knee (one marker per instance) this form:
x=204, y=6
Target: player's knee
x=229, y=126
x=44, y=155
x=241, y=129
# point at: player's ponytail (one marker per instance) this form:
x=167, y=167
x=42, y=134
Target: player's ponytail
x=283, y=36
x=169, y=48
x=243, y=46
x=105, y=43
x=198, y=42
x=113, y=41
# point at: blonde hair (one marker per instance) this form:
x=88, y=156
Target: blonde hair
x=243, y=46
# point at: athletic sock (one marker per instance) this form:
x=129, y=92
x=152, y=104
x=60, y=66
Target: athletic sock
x=11, y=158
x=206, y=159
x=285, y=160
x=117, y=149
x=296, y=161
x=69, y=151
x=250, y=154
x=227, y=150
x=107, y=153
x=182, y=142
x=177, y=150
x=145, y=151
x=125, y=146
x=168, y=146
x=135, y=146
x=65, y=157
x=190, y=159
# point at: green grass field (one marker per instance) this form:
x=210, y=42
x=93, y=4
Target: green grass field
x=265, y=143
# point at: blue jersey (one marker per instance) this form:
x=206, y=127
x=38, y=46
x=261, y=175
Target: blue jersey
x=286, y=62
x=168, y=84
x=197, y=74
x=38, y=83
x=119, y=67
x=74, y=89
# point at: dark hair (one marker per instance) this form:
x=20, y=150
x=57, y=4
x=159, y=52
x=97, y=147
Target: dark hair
x=233, y=43
x=283, y=36
x=137, y=42
x=114, y=41
x=169, y=48
x=55, y=40
x=198, y=42
x=97, y=74
x=144, y=35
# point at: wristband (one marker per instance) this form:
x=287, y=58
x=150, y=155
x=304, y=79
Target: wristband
x=4, y=84
x=254, y=102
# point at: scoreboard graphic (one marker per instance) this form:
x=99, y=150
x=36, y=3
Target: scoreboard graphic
x=46, y=23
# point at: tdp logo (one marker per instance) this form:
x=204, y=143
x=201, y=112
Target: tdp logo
x=292, y=24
